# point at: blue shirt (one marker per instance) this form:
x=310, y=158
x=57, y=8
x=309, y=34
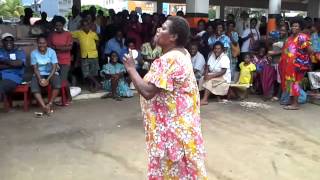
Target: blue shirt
x=315, y=40
x=223, y=38
x=44, y=61
x=14, y=74
x=114, y=45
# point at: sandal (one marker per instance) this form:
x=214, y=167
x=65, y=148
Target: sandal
x=109, y=95
x=38, y=114
x=290, y=107
x=117, y=98
x=202, y=103
x=49, y=110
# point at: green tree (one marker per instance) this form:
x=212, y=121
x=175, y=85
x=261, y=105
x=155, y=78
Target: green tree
x=11, y=8
x=86, y=7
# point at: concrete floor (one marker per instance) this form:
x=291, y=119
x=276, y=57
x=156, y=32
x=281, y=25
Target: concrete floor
x=103, y=139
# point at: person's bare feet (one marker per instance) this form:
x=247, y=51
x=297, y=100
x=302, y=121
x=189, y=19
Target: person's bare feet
x=291, y=107
x=203, y=103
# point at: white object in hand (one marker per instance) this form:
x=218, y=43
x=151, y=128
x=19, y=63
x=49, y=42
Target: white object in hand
x=134, y=53
x=13, y=57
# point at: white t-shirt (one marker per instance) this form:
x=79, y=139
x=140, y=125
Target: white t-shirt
x=215, y=65
x=198, y=62
x=246, y=44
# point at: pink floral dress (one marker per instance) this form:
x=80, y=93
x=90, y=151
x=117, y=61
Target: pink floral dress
x=172, y=120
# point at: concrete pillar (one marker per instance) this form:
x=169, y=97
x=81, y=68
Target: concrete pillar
x=159, y=6
x=274, y=12
x=314, y=8
x=197, y=10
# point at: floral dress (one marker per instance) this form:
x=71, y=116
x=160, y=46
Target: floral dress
x=315, y=39
x=146, y=50
x=294, y=63
x=123, y=89
x=172, y=120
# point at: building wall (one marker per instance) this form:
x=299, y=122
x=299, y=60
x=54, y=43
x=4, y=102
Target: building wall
x=259, y=4
x=56, y=7
x=51, y=7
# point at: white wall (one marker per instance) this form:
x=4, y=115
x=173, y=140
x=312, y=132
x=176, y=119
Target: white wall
x=51, y=7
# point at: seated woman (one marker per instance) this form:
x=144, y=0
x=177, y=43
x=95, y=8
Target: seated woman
x=45, y=63
x=114, y=82
x=150, y=51
x=217, y=76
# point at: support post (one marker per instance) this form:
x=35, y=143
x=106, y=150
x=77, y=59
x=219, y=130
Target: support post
x=197, y=10
x=274, y=12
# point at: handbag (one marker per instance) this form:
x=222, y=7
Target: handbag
x=235, y=49
x=254, y=44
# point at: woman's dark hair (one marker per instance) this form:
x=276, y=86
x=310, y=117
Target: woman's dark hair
x=180, y=27
x=83, y=21
x=262, y=45
x=130, y=40
x=218, y=43
x=254, y=19
x=41, y=37
x=231, y=22
x=230, y=15
x=219, y=23
x=59, y=19
x=114, y=52
x=298, y=21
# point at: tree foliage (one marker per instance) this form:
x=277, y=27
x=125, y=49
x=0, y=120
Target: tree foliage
x=11, y=8
x=86, y=7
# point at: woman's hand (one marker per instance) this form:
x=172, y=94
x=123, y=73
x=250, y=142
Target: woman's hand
x=44, y=82
x=208, y=77
x=129, y=63
x=115, y=76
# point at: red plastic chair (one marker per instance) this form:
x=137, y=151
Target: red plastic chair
x=63, y=93
x=20, y=89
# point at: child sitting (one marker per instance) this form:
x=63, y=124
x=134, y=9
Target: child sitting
x=113, y=73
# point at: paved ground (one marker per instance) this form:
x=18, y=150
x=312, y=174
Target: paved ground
x=104, y=139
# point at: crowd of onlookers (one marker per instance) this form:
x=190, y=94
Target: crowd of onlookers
x=231, y=58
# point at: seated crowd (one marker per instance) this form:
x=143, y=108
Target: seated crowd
x=230, y=60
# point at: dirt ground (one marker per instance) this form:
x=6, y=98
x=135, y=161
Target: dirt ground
x=104, y=139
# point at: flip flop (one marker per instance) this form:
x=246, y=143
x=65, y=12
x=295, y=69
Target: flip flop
x=109, y=95
x=289, y=107
x=117, y=98
x=203, y=103
x=38, y=114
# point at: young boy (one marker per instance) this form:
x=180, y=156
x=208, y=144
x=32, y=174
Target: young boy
x=88, y=41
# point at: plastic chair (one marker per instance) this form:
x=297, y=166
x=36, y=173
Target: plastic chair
x=20, y=89
x=63, y=92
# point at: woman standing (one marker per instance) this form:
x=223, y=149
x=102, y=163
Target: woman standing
x=171, y=107
x=61, y=41
x=295, y=62
x=234, y=51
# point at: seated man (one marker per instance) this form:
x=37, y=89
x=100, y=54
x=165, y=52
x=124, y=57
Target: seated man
x=11, y=65
x=45, y=63
x=116, y=44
